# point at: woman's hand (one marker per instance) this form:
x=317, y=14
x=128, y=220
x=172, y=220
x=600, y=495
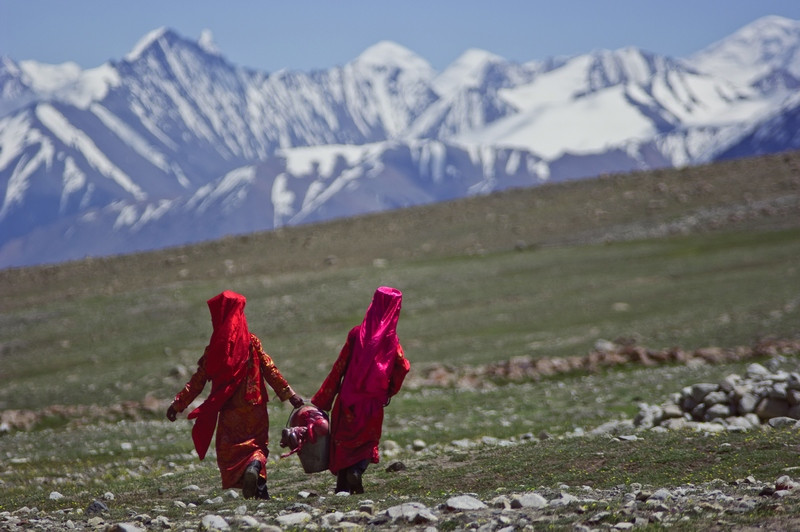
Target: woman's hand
x=172, y=414
x=296, y=401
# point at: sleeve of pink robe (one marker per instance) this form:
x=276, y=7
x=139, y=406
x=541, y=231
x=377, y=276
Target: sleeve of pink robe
x=399, y=372
x=324, y=397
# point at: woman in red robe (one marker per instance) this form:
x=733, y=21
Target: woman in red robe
x=237, y=367
x=370, y=369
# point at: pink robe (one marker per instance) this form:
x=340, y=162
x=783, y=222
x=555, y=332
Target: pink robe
x=370, y=369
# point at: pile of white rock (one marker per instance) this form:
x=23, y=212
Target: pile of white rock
x=760, y=397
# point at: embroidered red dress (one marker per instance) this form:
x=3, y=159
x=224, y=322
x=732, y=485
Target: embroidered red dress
x=370, y=370
x=237, y=367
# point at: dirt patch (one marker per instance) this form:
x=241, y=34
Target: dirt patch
x=81, y=414
x=611, y=354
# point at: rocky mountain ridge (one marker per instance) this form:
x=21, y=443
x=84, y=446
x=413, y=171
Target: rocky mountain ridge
x=173, y=144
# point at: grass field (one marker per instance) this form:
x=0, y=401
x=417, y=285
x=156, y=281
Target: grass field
x=690, y=258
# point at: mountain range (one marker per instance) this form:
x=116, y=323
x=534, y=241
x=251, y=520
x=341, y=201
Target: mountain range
x=173, y=144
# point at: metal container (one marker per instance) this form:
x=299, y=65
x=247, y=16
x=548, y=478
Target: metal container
x=313, y=455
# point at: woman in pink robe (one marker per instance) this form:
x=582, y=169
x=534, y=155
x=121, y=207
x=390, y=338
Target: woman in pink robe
x=237, y=366
x=370, y=369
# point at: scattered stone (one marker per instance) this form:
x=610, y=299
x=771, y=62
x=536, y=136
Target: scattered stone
x=395, y=467
x=782, y=422
x=367, y=506
x=390, y=446
x=660, y=495
x=248, y=521
x=598, y=517
x=414, y=513
x=564, y=500
x=464, y=503
x=489, y=440
x=785, y=483
x=619, y=508
x=620, y=426
x=125, y=527
x=294, y=519
x=332, y=519
x=528, y=500
x=96, y=507
x=299, y=507
x=142, y=518
x=501, y=501
x=161, y=521
x=214, y=522
x=54, y=496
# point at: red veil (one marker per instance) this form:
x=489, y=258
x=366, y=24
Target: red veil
x=227, y=363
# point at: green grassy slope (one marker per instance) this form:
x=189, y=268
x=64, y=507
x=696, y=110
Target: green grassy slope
x=690, y=258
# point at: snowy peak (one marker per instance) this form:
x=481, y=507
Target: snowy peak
x=207, y=44
x=68, y=83
x=166, y=42
x=390, y=55
x=473, y=63
x=15, y=89
x=145, y=43
x=596, y=102
x=767, y=46
x=586, y=74
x=46, y=78
x=468, y=71
x=395, y=85
x=606, y=68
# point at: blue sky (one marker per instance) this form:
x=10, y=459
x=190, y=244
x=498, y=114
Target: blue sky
x=305, y=35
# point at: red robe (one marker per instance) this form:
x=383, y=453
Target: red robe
x=370, y=369
x=237, y=366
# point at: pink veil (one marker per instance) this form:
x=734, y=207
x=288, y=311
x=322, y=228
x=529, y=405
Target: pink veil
x=374, y=351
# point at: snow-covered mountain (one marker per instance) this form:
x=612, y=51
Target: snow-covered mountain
x=173, y=144
x=765, y=51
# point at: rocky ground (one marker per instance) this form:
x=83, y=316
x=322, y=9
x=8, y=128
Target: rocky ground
x=569, y=507
x=763, y=399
